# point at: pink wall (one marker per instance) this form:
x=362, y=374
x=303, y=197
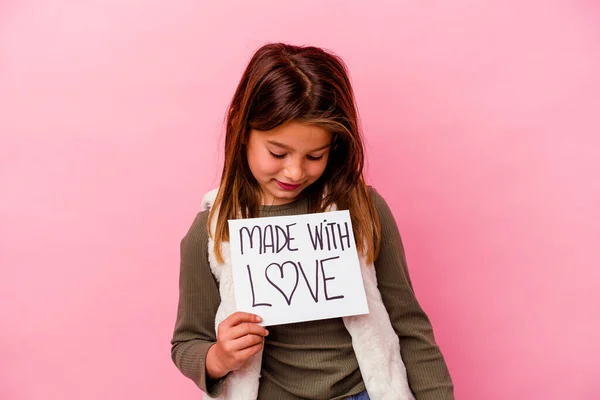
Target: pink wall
x=482, y=122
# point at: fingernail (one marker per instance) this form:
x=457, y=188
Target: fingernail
x=258, y=319
x=266, y=332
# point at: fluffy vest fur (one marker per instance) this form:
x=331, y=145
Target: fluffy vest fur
x=374, y=340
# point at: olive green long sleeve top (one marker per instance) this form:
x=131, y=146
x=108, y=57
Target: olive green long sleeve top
x=315, y=359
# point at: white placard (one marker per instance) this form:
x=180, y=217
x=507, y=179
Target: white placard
x=296, y=268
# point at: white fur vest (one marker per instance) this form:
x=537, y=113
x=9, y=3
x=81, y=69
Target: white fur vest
x=374, y=340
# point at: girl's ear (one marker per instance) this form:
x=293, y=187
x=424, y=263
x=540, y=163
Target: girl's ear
x=231, y=111
x=232, y=116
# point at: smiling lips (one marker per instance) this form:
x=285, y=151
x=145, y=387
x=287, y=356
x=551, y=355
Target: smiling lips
x=287, y=186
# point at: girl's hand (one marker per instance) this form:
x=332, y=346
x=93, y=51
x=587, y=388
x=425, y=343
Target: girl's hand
x=239, y=338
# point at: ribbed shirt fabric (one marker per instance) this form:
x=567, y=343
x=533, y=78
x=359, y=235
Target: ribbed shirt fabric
x=315, y=359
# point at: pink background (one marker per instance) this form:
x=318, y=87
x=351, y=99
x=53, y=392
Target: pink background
x=482, y=126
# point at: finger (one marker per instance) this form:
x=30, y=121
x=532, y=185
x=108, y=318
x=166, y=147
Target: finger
x=246, y=329
x=240, y=317
x=245, y=342
x=250, y=351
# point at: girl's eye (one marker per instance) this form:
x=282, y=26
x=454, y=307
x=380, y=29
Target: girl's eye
x=313, y=158
x=277, y=155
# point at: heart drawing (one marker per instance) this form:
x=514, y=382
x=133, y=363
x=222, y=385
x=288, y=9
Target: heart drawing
x=289, y=285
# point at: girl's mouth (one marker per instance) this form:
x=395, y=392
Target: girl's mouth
x=287, y=186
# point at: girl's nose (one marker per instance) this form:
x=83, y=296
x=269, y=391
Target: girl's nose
x=294, y=172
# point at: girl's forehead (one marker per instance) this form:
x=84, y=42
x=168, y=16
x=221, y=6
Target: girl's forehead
x=296, y=133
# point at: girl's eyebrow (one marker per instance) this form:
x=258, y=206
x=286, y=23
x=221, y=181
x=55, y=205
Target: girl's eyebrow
x=286, y=147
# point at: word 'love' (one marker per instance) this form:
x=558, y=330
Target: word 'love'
x=287, y=286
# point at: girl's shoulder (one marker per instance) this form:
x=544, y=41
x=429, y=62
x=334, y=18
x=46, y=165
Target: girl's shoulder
x=386, y=217
x=209, y=199
x=197, y=234
x=377, y=199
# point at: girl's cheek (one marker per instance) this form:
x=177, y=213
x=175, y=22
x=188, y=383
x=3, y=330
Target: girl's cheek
x=317, y=169
x=272, y=166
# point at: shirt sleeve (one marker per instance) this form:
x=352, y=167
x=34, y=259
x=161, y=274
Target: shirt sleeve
x=428, y=374
x=199, y=299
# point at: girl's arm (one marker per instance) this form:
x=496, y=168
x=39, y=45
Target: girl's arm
x=427, y=372
x=198, y=302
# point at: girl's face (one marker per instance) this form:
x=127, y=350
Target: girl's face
x=287, y=159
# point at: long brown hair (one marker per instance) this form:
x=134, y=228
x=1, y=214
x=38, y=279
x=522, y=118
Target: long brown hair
x=285, y=83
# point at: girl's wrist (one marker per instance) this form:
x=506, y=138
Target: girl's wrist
x=214, y=369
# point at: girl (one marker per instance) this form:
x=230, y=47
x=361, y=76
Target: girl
x=292, y=147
